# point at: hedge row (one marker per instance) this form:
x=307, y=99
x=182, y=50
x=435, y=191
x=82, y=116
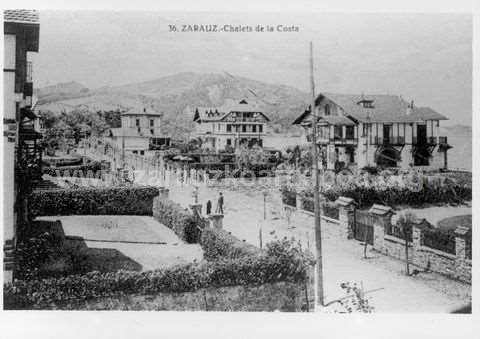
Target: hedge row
x=394, y=195
x=180, y=220
x=280, y=262
x=93, y=201
x=217, y=244
x=74, y=171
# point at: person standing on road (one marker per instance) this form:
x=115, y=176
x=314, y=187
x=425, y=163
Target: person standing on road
x=220, y=204
x=209, y=207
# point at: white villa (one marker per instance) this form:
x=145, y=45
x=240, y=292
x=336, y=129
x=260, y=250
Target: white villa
x=141, y=131
x=355, y=131
x=230, y=125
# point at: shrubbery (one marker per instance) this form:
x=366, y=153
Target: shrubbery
x=282, y=261
x=413, y=192
x=93, y=201
x=218, y=244
x=180, y=220
x=289, y=198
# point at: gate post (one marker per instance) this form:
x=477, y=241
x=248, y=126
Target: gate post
x=381, y=218
x=346, y=215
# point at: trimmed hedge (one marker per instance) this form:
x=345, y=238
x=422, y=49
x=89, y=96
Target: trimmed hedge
x=280, y=262
x=74, y=171
x=93, y=201
x=426, y=192
x=217, y=244
x=179, y=219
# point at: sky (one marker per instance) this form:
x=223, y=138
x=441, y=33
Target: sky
x=422, y=57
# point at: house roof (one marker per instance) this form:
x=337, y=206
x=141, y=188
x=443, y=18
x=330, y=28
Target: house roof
x=218, y=113
x=386, y=108
x=142, y=111
x=26, y=16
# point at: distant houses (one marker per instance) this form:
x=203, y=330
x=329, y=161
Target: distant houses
x=356, y=131
x=141, y=132
x=230, y=126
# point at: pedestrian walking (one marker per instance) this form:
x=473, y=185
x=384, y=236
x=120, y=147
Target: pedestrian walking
x=220, y=204
x=209, y=207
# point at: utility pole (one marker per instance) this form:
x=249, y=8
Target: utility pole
x=316, y=193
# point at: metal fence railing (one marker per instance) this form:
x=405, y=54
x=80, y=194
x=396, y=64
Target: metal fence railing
x=442, y=241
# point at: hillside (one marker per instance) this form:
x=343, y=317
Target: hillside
x=177, y=96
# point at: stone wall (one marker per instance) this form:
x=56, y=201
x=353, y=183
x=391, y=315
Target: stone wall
x=457, y=265
x=281, y=296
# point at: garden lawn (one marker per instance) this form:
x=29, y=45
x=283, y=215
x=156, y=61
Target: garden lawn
x=436, y=214
x=110, y=243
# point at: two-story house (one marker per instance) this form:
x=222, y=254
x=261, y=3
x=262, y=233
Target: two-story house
x=230, y=125
x=21, y=149
x=141, y=131
x=355, y=131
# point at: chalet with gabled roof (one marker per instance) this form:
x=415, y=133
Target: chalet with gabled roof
x=231, y=125
x=355, y=131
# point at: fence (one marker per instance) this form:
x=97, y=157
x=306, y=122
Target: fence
x=448, y=253
x=439, y=240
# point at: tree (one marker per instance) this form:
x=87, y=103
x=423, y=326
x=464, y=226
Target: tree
x=405, y=222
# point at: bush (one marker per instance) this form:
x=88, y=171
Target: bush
x=33, y=252
x=282, y=261
x=93, y=201
x=289, y=198
x=180, y=220
x=218, y=244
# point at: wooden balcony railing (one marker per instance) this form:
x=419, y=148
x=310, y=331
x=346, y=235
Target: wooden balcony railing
x=396, y=140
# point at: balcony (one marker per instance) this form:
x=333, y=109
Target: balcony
x=394, y=141
x=343, y=141
x=430, y=141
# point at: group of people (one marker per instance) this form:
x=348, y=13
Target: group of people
x=219, y=209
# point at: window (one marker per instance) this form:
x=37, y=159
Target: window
x=337, y=132
x=327, y=109
x=244, y=128
x=260, y=128
x=254, y=128
x=350, y=132
x=229, y=128
x=229, y=142
x=137, y=122
x=152, y=132
x=142, y=152
x=151, y=122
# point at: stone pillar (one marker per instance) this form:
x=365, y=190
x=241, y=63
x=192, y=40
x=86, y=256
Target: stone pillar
x=381, y=217
x=216, y=221
x=462, y=269
x=346, y=209
x=298, y=201
x=196, y=209
x=416, y=241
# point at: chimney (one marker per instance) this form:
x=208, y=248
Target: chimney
x=410, y=108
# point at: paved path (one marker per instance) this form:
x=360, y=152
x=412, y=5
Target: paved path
x=343, y=259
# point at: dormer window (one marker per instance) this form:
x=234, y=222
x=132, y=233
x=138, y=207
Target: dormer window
x=366, y=103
